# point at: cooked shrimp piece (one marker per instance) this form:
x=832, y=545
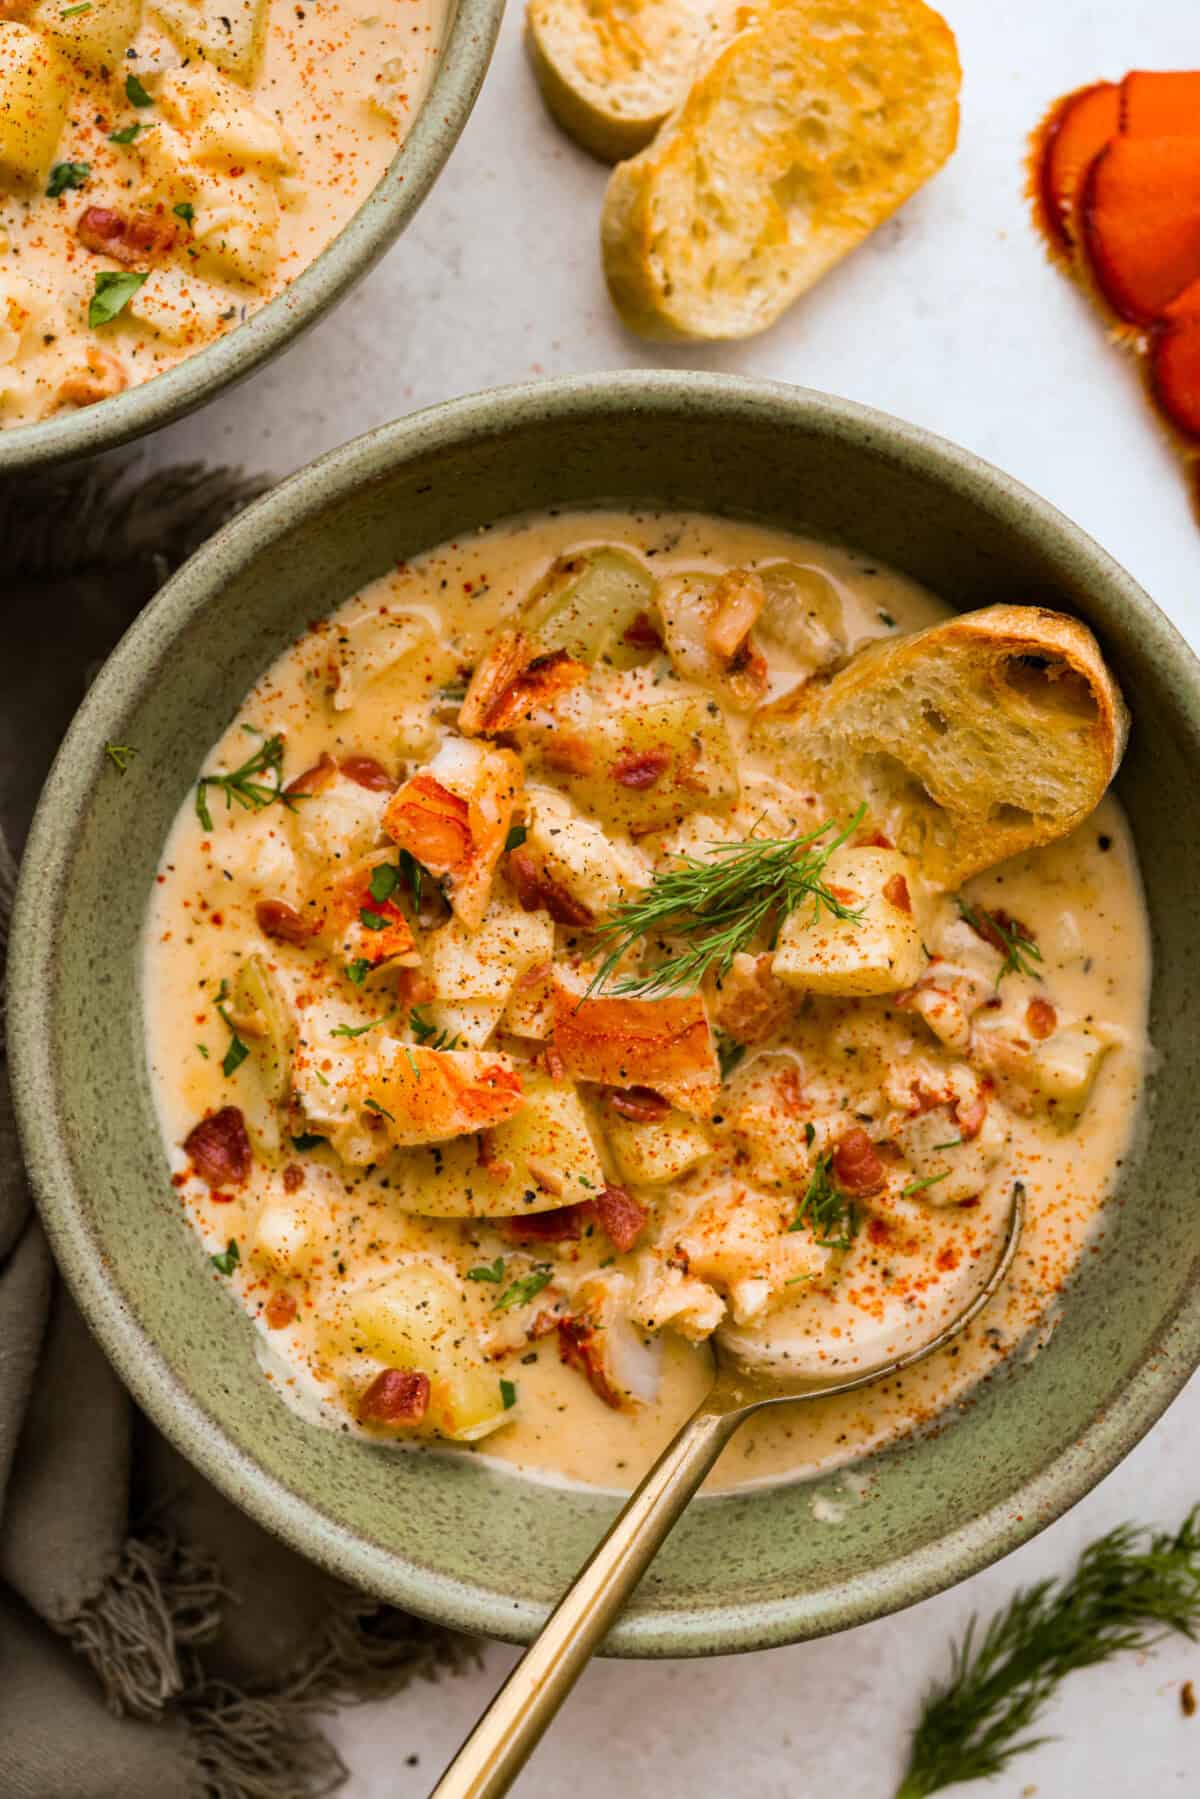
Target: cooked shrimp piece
x=514, y=680
x=454, y=818
x=359, y=926
x=429, y=1095
x=665, y=1044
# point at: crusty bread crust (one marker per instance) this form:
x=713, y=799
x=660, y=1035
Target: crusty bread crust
x=971, y=742
x=611, y=73
x=804, y=133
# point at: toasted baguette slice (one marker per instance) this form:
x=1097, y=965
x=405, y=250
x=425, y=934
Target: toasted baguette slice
x=970, y=742
x=801, y=136
x=610, y=74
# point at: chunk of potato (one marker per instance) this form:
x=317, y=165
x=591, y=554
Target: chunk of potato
x=542, y=1158
x=418, y=1319
x=656, y=759
x=230, y=34
x=578, y=856
x=658, y=1150
x=879, y=951
x=587, y=603
x=36, y=84
x=290, y=1235
x=802, y=614
x=98, y=34
x=487, y=963
x=260, y=1012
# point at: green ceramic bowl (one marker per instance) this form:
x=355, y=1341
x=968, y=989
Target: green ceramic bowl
x=470, y=37
x=449, y=1537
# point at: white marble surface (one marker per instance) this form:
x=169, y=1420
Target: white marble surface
x=952, y=317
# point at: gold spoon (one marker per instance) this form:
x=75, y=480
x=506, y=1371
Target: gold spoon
x=511, y=1728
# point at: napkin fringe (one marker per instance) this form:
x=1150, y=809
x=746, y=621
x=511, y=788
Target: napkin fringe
x=163, y=1600
x=252, y=1748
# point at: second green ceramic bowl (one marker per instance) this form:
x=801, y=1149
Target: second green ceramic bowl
x=447, y=1536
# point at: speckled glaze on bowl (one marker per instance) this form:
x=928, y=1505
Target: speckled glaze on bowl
x=445, y=1535
x=466, y=50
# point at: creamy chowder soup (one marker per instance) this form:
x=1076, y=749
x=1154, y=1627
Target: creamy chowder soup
x=167, y=166
x=489, y=1141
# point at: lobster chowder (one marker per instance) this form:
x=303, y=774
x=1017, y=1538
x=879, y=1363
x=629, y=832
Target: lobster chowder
x=519, y=1020
x=168, y=166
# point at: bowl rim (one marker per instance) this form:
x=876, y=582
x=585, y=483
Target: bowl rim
x=1057, y=1484
x=462, y=62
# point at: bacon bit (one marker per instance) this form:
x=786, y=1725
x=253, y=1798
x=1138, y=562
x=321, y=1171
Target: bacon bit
x=641, y=770
x=1141, y=223
x=539, y=891
x=569, y=753
x=102, y=376
x=1070, y=138
x=895, y=891
x=579, y=1344
x=640, y=1104
x=621, y=1216
x=989, y=926
x=643, y=634
x=1041, y=1019
x=279, y=1310
x=364, y=771
x=562, y=1225
x=873, y=840
x=293, y=1177
x=315, y=779
x=857, y=1167
x=221, y=1199
x=397, y=1396
x=220, y=1148
x=662, y=1043
x=737, y=600
x=281, y=922
x=138, y=238
x=431, y=823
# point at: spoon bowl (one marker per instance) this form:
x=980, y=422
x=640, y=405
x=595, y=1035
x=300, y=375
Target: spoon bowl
x=511, y=1728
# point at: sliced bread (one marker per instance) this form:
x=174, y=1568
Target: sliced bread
x=969, y=742
x=805, y=132
x=611, y=73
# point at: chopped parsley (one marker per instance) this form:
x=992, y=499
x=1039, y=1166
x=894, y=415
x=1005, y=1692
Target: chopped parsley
x=508, y=1394
x=373, y=1105
x=126, y=134
x=135, y=93
x=384, y=881
x=114, y=290
x=522, y=1291
x=358, y=1030
x=374, y=921
x=729, y=1054
x=228, y=1259
x=203, y=1049
x=307, y=1140
x=885, y=618
x=66, y=174
x=413, y=873
x=488, y=1271
x=357, y=972
x=427, y=1033
x=120, y=755
x=187, y=212
x=830, y=1214
x=516, y=837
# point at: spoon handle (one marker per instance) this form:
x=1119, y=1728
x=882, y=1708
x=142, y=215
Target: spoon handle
x=512, y=1726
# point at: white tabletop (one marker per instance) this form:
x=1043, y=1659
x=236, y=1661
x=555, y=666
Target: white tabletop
x=950, y=316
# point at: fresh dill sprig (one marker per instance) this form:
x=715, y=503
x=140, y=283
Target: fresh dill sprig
x=244, y=787
x=830, y=1214
x=1128, y=1590
x=1006, y=935
x=722, y=904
